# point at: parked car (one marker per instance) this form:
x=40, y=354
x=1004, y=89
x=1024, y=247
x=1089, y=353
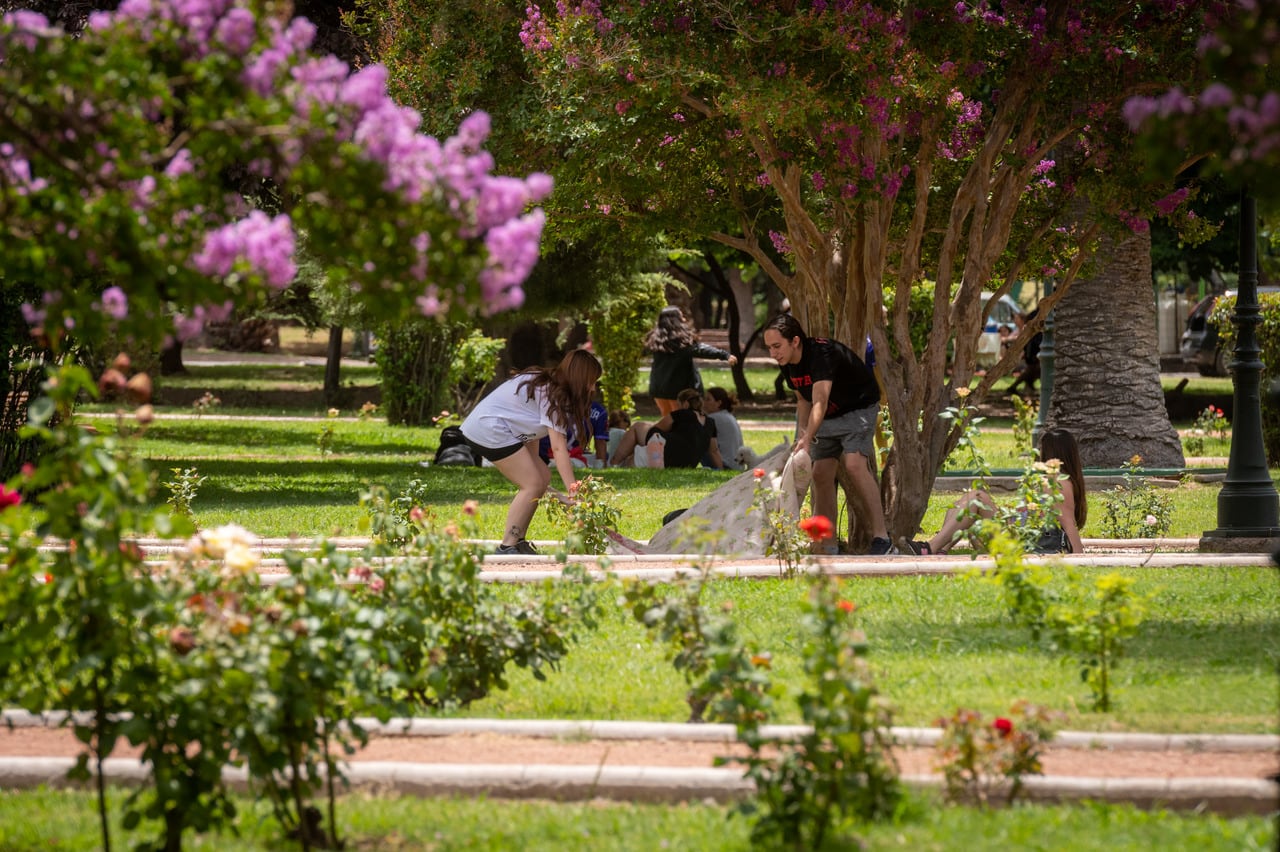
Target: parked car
x=1002, y=322
x=1200, y=344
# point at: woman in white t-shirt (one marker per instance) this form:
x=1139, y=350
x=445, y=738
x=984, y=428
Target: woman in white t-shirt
x=506, y=425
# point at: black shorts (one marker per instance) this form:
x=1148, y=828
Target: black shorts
x=495, y=454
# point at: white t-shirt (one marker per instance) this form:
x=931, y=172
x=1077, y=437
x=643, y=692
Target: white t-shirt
x=507, y=416
x=728, y=437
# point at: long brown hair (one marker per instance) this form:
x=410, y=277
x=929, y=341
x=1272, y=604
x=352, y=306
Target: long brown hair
x=672, y=332
x=569, y=385
x=1061, y=445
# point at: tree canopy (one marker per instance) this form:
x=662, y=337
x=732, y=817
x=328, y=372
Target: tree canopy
x=164, y=164
x=861, y=148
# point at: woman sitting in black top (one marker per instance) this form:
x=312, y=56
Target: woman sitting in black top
x=687, y=432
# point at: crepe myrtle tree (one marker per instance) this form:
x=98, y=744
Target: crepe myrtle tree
x=159, y=170
x=944, y=143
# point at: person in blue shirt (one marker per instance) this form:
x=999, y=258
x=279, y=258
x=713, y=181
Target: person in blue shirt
x=577, y=453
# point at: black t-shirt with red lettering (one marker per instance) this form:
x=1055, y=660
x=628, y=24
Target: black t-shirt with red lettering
x=853, y=385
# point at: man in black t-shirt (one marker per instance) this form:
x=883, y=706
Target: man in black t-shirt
x=837, y=402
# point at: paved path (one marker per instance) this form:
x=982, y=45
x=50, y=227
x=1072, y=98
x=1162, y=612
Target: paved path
x=670, y=762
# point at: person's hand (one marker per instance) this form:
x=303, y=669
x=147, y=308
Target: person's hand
x=802, y=443
x=733, y=360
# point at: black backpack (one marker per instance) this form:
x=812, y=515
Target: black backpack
x=454, y=449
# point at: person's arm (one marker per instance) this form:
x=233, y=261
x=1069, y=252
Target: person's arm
x=812, y=418
x=665, y=424
x=560, y=455
x=602, y=450
x=703, y=350
x=1067, y=517
x=716, y=460
x=802, y=420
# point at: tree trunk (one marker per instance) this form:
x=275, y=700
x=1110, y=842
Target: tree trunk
x=171, y=359
x=1106, y=388
x=332, y=368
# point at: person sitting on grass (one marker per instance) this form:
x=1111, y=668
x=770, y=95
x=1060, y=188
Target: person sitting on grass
x=679, y=439
x=1060, y=537
x=719, y=404
x=506, y=425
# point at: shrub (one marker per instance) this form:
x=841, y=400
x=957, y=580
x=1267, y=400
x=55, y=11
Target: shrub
x=842, y=769
x=1268, y=330
x=588, y=520
x=1134, y=508
x=978, y=758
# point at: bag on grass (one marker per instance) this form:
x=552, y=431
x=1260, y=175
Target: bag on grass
x=454, y=449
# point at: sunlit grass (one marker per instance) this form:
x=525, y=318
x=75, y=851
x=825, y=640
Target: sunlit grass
x=55, y=819
x=1204, y=660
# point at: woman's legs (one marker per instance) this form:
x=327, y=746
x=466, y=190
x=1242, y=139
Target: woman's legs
x=531, y=477
x=960, y=517
x=632, y=438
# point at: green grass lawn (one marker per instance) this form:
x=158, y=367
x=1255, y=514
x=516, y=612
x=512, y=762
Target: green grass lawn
x=47, y=819
x=270, y=477
x=1205, y=658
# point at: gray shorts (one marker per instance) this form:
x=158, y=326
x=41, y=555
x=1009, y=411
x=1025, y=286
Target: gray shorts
x=852, y=432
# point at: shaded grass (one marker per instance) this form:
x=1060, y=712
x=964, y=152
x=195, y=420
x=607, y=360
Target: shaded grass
x=275, y=376
x=1205, y=660
x=269, y=476
x=45, y=819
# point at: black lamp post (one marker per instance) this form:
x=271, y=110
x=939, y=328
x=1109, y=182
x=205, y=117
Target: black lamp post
x=1248, y=506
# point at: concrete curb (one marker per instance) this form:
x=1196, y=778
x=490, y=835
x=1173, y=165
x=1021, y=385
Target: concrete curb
x=272, y=571
x=668, y=785
x=604, y=729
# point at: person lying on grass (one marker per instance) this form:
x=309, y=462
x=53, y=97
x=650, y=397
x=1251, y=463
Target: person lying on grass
x=1060, y=537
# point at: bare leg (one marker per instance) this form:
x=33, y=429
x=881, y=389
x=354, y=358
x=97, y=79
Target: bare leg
x=958, y=519
x=632, y=438
x=531, y=477
x=867, y=492
x=824, y=488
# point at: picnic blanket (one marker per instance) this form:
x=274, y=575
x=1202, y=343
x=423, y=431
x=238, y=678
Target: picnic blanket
x=727, y=509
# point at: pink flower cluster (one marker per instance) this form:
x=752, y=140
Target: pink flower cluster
x=265, y=244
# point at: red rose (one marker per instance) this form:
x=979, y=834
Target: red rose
x=1003, y=726
x=758, y=473
x=847, y=606
x=817, y=527
x=9, y=498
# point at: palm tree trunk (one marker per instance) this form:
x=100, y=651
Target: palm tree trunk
x=1107, y=389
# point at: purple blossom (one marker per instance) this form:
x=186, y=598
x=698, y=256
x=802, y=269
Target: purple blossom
x=187, y=327
x=513, y=251
x=1137, y=110
x=115, y=303
x=27, y=27
x=265, y=244
x=533, y=32
x=1216, y=95
x=780, y=243
x=180, y=164
x=236, y=31
x=1043, y=167
x=1172, y=201
x=34, y=316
